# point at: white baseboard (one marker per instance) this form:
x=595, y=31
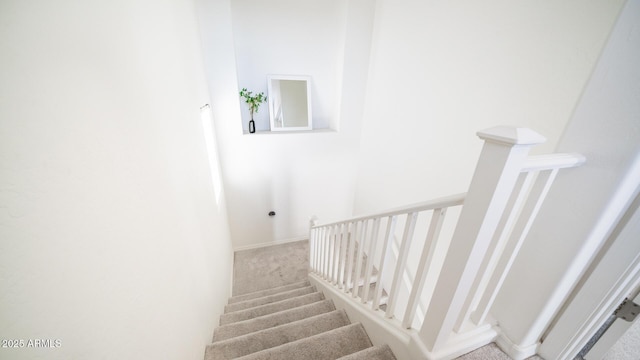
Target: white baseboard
x=460, y=344
x=404, y=343
x=380, y=329
x=269, y=243
x=516, y=352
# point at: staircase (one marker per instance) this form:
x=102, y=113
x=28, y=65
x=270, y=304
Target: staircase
x=443, y=276
x=290, y=322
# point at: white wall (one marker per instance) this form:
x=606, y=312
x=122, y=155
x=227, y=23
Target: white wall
x=110, y=236
x=585, y=203
x=440, y=71
x=291, y=37
x=436, y=74
x=296, y=175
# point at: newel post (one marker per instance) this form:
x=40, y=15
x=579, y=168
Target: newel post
x=313, y=221
x=505, y=149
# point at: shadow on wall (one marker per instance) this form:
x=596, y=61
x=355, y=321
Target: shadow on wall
x=254, y=204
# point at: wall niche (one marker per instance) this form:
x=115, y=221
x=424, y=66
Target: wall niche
x=286, y=37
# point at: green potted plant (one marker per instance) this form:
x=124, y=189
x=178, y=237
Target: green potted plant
x=253, y=101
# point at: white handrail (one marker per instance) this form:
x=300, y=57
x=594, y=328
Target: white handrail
x=439, y=203
x=552, y=161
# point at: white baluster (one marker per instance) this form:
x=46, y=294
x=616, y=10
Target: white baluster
x=313, y=221
x=323, y=245
x=351, y=255
x=361, y=246
x=428, y=250
x=503, y=230
x=312, y=249
x=391, y=228
x=318, y=251
x=520, y=231
x=410, y=226
x=370, y=257
x=336, y=254
x=343, y=254
x=329, y=253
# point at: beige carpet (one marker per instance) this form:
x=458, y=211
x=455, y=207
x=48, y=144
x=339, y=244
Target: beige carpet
x=627, y=347
x=490, y=352
x=268, y=267
x=277, y=316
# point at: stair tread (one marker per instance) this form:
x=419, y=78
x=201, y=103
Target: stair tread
x=275, y=336
x=381, y=352
x=242, y=305
x=328, y=345
x=263, y=322
x=270, y=308
x=267, y=292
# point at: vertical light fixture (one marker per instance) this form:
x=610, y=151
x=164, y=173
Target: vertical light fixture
x=212, y=150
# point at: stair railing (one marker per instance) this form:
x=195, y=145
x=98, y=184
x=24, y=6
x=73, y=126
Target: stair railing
x=343, y=262
x=506, y=193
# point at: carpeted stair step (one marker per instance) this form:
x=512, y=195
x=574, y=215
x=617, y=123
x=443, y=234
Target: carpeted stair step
x=267, y=292
x=264, y=322
x=267, y=309
x=268, y=299
x=269, y=338
x=373, y=353
x=328, y=345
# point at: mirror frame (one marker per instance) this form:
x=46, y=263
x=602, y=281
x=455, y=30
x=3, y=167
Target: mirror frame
x=307, y=80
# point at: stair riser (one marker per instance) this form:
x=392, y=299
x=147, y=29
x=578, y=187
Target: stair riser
x=268, y=299
x=329, y=345
x=268, y=321
x=270, y=308
x=373, y=353
x=269, y=338
x=262, y=293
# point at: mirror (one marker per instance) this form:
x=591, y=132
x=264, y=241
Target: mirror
x=289, y=102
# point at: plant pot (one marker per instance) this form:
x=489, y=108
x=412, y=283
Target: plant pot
x=252, y=126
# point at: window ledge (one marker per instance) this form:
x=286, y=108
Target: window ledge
x=269, y=132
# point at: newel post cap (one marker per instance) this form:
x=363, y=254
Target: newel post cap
x=511, y=135
x=313, y=221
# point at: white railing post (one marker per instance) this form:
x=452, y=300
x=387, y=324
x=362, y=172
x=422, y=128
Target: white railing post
x=501, y=160
x=313, y=221
x=330, y=251
x=324, y=260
